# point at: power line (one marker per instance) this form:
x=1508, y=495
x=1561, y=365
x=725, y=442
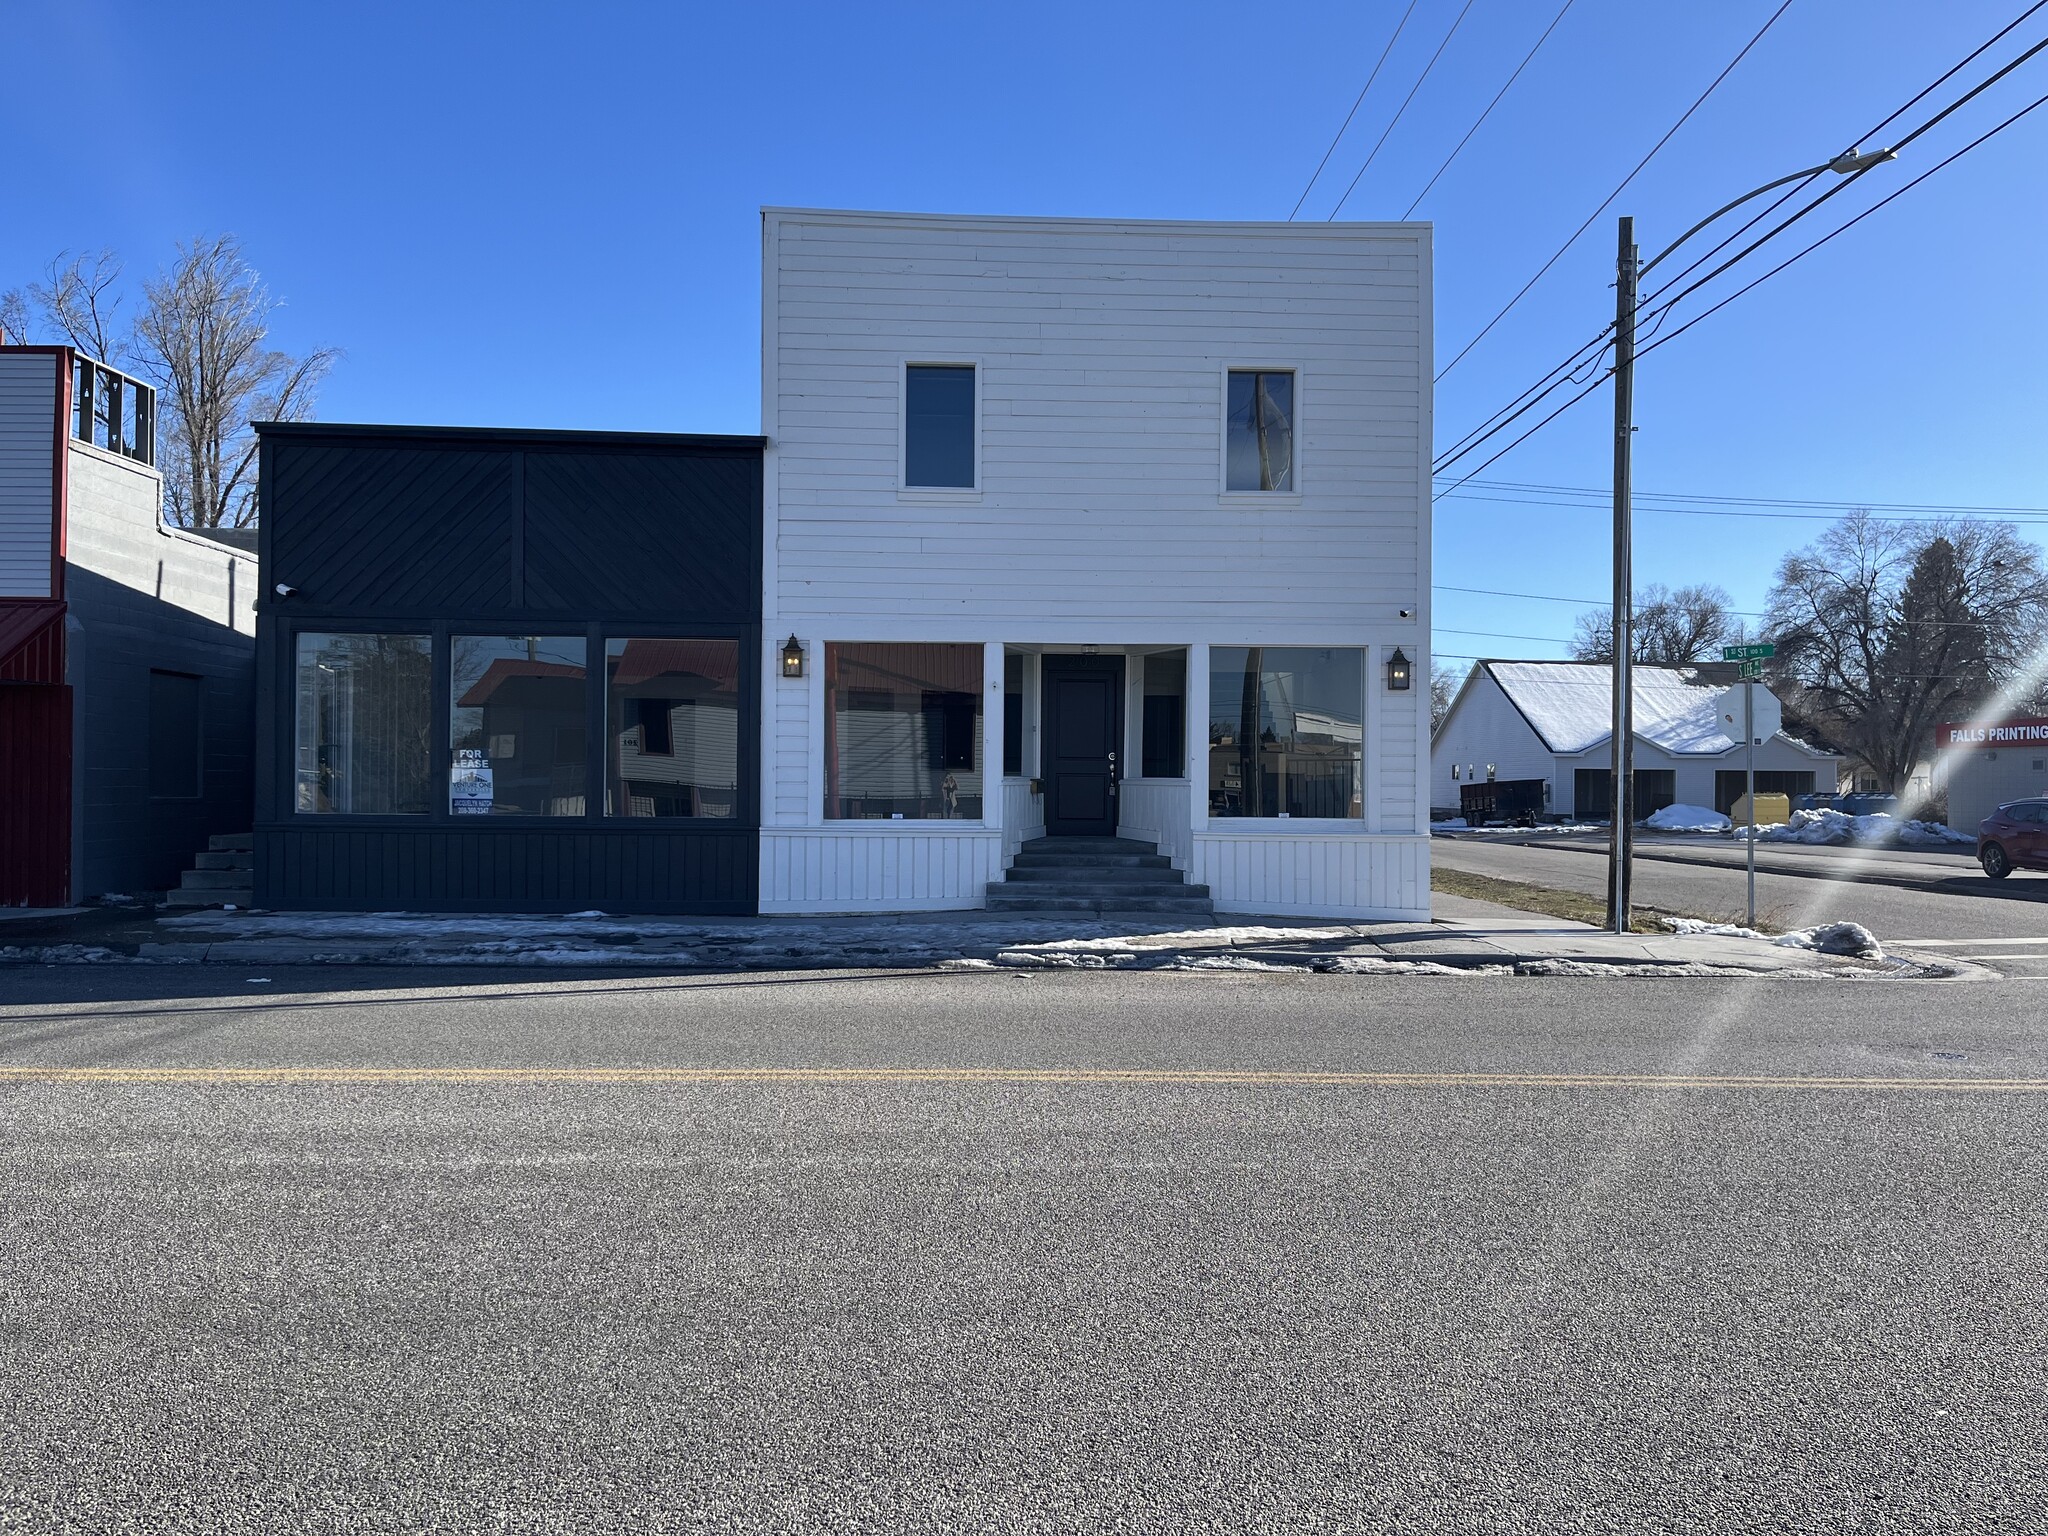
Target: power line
x=1467, y=447
x=1953, y=107
x=1496, y=102
x=1440, y=47
x=1354, y=108
x=1795, y=517
x=1866, y=213
x=1619, y=187
x=1865, y=137
x=1756, y=501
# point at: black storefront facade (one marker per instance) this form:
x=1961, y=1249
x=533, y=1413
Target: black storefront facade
x=506, y=670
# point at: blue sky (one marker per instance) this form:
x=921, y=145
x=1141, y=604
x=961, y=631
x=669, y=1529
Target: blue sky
x=545, y=215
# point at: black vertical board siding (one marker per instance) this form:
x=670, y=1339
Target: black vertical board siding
x=440, y=530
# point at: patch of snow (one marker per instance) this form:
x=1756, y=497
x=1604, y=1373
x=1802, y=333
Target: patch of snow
x=1830, y=828
x=1835, y=939
x=1688, y=818
x=1716, y=930
x=1571, y=704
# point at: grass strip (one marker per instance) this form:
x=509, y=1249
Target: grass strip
x=1572, y=906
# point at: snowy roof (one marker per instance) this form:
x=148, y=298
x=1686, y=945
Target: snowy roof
x=1570, y=704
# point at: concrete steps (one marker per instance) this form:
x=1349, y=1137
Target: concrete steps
x=1095, y=874
x=222, y=876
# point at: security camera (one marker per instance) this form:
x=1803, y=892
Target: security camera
x=284, y=591
x=1407, y=613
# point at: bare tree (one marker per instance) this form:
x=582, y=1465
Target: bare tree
x=1885, y=629
x=202, y=336
x=1672, y=628
x=1443, y=690
x=14, y=316
x=81, y=300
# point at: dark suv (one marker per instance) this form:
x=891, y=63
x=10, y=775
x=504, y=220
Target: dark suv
x=2014, y=837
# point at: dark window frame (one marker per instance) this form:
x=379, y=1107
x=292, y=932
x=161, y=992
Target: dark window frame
x=910, y=453
x=1255, y=372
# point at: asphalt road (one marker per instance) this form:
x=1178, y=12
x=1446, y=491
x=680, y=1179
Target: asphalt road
x=975, y=1252
x=1901, y=895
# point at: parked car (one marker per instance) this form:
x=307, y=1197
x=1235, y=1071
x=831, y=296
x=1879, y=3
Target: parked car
x=2014, y=837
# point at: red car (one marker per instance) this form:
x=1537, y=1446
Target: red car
x=2014, y=837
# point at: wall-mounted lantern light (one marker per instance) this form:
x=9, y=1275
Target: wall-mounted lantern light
x=1454, y=770
x=1400, y=671
x=793, y=658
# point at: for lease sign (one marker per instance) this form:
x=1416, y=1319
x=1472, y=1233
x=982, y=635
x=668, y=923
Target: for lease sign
x=2015, y=731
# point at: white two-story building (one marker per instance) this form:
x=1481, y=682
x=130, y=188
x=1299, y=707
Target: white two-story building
x=1085, y=529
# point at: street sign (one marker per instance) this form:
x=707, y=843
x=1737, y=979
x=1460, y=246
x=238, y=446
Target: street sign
x=1750, y=671
x=1748, y=652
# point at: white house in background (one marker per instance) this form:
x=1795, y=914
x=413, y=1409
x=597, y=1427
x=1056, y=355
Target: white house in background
x=1552, y=721
x=1083, y=527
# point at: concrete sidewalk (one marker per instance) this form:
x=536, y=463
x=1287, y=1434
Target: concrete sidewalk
x=1468, y=937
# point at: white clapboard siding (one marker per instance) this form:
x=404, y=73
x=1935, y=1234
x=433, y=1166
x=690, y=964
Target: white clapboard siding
x=29, y=411
x=1023, y=816
x=1355, y=876
x=1157, y=811
x=877, y=869
x=1100, y=519
x=1102, y=348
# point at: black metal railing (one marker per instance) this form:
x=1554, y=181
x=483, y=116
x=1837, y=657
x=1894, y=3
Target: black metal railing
x=112, y=411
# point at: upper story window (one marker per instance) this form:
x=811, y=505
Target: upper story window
x=1258, y=448
x=938, y=426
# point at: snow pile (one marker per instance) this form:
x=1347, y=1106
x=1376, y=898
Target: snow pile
x=1714, y=930
x=1688, y=818
x=1838, y=829
x=1835, y=939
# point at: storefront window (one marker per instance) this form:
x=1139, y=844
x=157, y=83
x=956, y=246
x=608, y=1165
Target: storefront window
x=1286, y=731
x=361, y=732
x=674, y=727
x=903, y=732
x=516, y=725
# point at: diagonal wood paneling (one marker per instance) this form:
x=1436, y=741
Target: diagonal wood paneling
x=664, y=533
x=399, y=529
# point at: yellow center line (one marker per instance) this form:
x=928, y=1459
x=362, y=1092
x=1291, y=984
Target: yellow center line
x=998, y=1076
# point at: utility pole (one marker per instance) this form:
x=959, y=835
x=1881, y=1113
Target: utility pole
x=1749, y=747
x=1621, y=798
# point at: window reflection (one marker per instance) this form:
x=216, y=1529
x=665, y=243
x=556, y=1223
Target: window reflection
x=903, y=732
x=1286, y=731
x=674, y=732
x=516, y=725
x=361, y=731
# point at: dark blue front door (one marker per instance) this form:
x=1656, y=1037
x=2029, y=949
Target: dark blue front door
x=1082, y=712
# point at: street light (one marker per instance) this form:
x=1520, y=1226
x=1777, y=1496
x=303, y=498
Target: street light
x=1630, y=270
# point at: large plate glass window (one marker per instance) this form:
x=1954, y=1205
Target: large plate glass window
x=1286, y=731
x=938, y=426
x=516, y=726
x=903, y=732
x=1259, y=432
x=674, y=734
x=362, y=727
